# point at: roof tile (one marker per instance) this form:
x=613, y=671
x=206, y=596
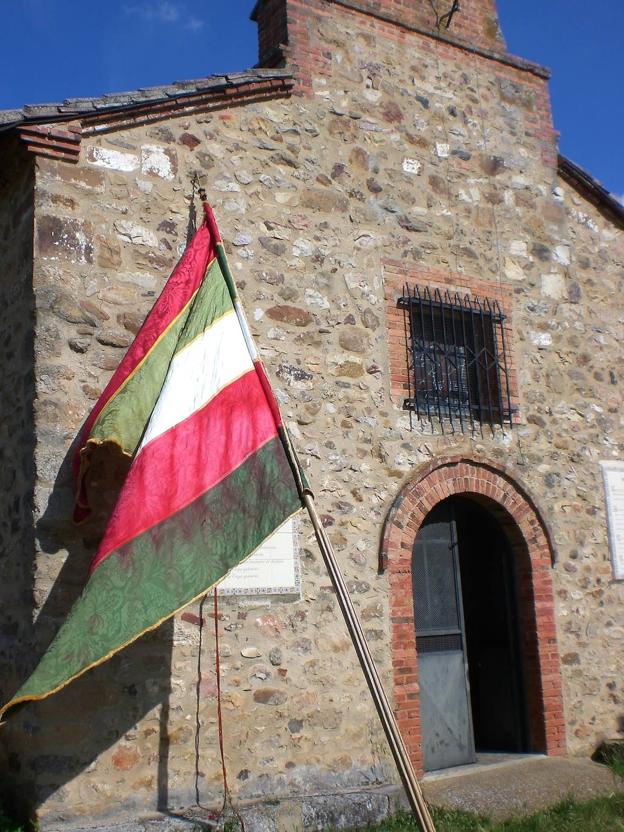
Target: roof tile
x=121, y=100
x=11, y=116
x=41, y=110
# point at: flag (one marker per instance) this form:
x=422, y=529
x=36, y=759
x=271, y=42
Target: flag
x=212, y=471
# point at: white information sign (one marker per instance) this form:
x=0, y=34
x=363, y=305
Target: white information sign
x=272, y=570
x=613, y=473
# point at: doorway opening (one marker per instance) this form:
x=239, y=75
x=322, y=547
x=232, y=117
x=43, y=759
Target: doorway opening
x=466, y=616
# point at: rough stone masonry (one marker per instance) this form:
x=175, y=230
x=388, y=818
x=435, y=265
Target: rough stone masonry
x=374, y=151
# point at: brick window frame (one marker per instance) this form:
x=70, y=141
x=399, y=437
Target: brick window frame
x=531, y=544
x=396, y=275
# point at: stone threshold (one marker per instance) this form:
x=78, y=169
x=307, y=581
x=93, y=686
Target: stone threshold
x=487, y=761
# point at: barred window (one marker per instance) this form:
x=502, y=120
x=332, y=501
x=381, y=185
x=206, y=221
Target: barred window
x=457, y=358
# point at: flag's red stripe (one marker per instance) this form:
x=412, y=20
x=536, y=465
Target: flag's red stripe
x=212, y=224
x=189, y=459
x=268, y=392
x=183, y=283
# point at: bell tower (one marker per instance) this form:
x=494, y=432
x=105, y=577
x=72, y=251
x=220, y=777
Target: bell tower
x=470, y=22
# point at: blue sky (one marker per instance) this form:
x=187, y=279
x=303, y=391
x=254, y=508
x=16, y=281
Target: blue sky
x=55, y=49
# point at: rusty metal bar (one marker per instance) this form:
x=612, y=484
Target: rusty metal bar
x=459, y=358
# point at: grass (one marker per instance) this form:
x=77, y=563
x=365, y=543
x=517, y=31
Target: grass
x=617, y=764
x=600, y=815
x=605, y=814
x=8, y=825
x=612, y=754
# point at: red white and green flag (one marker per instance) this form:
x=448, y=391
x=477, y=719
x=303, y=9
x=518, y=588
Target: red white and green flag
x=212, y=475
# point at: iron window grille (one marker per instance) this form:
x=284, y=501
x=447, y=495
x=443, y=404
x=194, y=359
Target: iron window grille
x=457, y=358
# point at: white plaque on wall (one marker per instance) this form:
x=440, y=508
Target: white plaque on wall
x=272, y=570
x=613, y=473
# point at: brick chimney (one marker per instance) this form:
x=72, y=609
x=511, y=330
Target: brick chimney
x=474, y=22
x=272, y=19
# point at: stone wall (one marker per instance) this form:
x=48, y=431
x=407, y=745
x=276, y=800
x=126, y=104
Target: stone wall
x=17, y=428
x=405, y=149
x=585, y=392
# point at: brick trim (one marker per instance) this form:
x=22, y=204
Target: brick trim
x=269, y=42
x=531, y=544
x=396, y=275
x=52, y=141
x=119, y=118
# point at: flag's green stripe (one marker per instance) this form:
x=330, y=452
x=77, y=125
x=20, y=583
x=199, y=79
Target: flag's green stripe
x=124, y=418
x=295, y=466
x=225, y=270
x=162, y=570
x=211, y=303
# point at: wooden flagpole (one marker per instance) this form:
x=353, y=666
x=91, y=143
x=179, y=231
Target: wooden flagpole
x=391, y=729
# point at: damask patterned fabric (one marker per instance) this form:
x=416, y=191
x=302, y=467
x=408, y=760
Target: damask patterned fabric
x=213, y=473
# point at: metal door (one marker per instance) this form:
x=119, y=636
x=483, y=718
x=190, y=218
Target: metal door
x=445, y=712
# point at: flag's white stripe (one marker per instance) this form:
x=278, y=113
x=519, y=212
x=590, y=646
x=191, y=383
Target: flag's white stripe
x=207, y=365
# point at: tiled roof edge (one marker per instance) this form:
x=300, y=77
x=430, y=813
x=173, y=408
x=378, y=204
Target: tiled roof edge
x=73, y=108
x=591, y=188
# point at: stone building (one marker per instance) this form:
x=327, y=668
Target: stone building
x=436, y=296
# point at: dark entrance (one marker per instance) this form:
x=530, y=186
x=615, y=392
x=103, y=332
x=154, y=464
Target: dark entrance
x=465, y=610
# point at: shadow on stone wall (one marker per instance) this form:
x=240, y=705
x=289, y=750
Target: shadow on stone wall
x=54, y=740
x=44, y=746
x=17, y=432
x=51, y=742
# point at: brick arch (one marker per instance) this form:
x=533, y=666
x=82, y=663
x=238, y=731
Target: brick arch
x=531, y=545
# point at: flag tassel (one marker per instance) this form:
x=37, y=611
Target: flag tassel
x=386, y=716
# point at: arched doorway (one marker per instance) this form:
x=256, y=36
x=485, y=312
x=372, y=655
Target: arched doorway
x=496, y=506
x=466, y=616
